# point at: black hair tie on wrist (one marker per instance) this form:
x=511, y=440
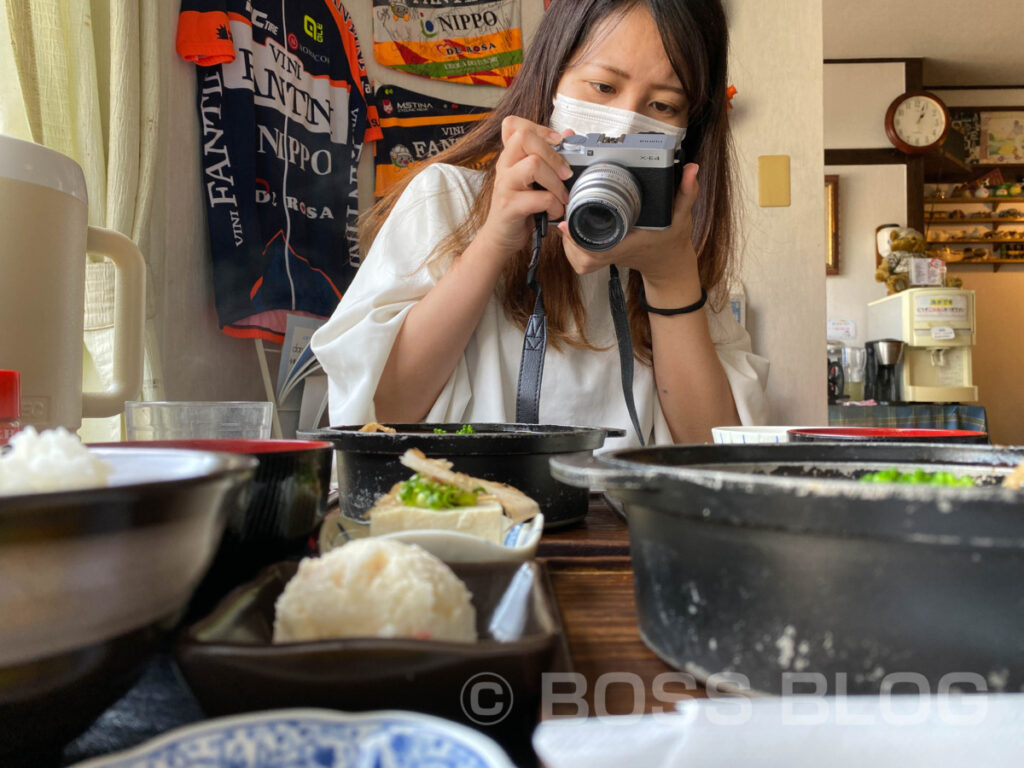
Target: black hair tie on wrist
x=678, y=310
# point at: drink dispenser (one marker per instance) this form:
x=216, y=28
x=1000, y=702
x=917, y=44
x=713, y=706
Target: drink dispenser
x=44, y=238
x=937, y=328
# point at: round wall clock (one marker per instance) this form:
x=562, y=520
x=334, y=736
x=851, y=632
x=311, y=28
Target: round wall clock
x=917, y=122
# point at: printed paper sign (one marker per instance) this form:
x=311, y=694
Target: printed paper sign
x=841, y=330
x=947, y=306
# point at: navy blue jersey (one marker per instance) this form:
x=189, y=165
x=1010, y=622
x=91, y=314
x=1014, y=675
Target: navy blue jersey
x=285, y=106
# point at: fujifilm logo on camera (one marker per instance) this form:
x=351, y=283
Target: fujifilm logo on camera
x=619, y=183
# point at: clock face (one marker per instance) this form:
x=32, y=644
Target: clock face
x=918, y=122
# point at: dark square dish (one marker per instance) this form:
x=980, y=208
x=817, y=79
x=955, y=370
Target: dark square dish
x=231, y=665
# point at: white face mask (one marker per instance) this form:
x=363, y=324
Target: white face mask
x=586, y=117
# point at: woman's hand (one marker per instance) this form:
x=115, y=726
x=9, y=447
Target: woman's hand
x=660, y=255
x=529, y=178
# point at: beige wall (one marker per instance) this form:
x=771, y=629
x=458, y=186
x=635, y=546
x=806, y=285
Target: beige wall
x=776, y=66
x=855, y=97
x=998, y=363
x=869, y=195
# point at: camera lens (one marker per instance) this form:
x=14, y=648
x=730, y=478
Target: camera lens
x=604, y=204
x=600, y=223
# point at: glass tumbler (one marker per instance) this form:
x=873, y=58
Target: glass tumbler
x=853, y=372
x=189, y=420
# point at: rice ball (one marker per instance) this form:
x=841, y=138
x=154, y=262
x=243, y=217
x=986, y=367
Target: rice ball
x=51, y=460
x=374, y=588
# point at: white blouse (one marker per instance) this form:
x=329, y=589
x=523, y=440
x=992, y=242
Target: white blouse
x=580, y=387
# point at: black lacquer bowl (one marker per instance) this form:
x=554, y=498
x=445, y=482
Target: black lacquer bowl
x=289, y=500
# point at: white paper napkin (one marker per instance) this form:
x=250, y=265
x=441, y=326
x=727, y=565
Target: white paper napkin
x=899, y=731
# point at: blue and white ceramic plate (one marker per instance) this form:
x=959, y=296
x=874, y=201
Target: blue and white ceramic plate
x=314, y=738
x=519, y=544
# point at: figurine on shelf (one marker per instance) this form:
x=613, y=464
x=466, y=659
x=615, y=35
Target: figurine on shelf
x=904, y=261
x=896, y=246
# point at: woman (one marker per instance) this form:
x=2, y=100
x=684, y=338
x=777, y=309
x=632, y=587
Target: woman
x=431, y=329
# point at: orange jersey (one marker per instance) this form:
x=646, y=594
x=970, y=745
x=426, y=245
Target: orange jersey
x=478, y=42
x=415, y=128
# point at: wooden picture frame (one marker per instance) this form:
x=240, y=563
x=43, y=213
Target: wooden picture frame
x=1001, y=137
x=831, y=224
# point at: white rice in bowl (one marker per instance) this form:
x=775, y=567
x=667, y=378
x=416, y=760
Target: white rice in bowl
x=51, y=460
x=374, y=588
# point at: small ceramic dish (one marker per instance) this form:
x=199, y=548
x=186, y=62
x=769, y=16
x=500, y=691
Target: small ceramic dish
x=231, y=665
x=313, y=738
x=751, y=434
x=519, y=544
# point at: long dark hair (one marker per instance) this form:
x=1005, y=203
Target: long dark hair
x=694, y=34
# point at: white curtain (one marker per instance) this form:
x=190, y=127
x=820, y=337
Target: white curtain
x=83, y=77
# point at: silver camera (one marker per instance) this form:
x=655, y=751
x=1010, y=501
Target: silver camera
x=619, y=182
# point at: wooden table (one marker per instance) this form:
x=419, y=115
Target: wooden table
x=592, y=578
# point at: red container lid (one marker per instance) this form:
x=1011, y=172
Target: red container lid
x=888, y=434
x=10, y=395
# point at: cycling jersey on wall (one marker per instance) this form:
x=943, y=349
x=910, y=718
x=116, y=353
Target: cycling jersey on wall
x=416, y=127
x=285, y=106
x=462, y=41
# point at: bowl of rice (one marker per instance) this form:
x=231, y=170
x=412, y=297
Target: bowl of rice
x=100, y=551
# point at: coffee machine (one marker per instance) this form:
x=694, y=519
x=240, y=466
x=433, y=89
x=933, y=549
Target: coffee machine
x=935, y=328
x=881, y=379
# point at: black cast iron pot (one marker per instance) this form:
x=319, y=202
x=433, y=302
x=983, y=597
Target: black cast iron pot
x=773, y=565
x=516, y=454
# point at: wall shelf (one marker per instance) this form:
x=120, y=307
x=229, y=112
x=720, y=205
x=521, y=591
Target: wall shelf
x=991, y=206
x=994, y=263
x=977, y=241
x=961, y=222
x=996, y=200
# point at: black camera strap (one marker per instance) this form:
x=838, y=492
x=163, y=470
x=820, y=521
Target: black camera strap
x=620, y=319
x=535, y=341
x=531, y=365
